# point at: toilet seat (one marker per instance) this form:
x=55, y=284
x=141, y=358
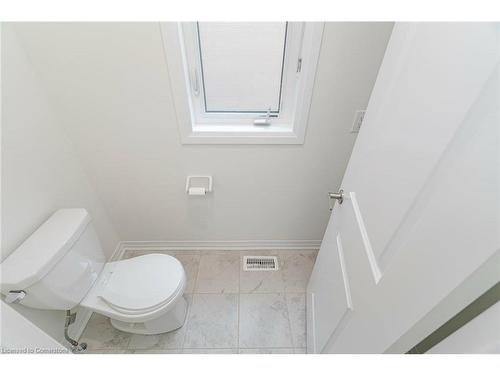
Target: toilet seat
x=137, y=289
x=142, y=284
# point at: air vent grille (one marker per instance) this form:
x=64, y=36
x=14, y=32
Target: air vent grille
x=260, y=263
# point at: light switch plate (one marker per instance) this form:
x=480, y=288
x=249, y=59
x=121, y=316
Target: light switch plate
x=358, y=120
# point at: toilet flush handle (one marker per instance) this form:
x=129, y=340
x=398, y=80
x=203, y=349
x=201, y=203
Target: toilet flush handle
x=15, y=296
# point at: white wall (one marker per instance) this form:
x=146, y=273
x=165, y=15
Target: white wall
x=110, y=86
x=40, y=172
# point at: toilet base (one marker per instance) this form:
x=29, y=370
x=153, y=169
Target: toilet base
x=171, y=320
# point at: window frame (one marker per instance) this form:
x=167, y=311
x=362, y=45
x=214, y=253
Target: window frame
x=199, y=127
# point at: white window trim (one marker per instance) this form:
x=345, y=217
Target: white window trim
x=226, y=133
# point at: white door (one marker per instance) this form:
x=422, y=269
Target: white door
x=421, y=193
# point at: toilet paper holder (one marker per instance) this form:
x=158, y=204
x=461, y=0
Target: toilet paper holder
x=198, y=185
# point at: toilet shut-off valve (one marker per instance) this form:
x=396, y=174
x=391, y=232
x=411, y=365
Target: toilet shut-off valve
x=76, y=347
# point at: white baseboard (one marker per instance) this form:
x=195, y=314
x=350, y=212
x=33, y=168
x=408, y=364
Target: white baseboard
x=118, y=252
x=220, y=245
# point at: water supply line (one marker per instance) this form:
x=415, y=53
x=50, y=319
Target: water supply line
x=76, y=347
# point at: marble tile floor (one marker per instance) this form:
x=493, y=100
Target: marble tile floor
x=230, y=310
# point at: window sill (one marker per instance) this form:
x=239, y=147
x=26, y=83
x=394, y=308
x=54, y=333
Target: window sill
x=242, y=134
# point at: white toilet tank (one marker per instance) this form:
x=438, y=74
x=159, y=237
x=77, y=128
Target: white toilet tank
x=58, y=264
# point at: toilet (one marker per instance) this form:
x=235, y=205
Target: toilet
x=62, y=266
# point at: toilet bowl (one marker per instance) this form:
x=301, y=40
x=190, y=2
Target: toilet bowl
x=62, y=266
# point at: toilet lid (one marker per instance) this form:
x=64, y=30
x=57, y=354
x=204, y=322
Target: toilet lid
x=143, y=283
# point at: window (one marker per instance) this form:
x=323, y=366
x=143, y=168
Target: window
x=241, y=66
x=242, y=82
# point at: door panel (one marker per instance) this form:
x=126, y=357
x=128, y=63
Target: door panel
x=421, y=208
x=416, y=118
x=331, y=305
